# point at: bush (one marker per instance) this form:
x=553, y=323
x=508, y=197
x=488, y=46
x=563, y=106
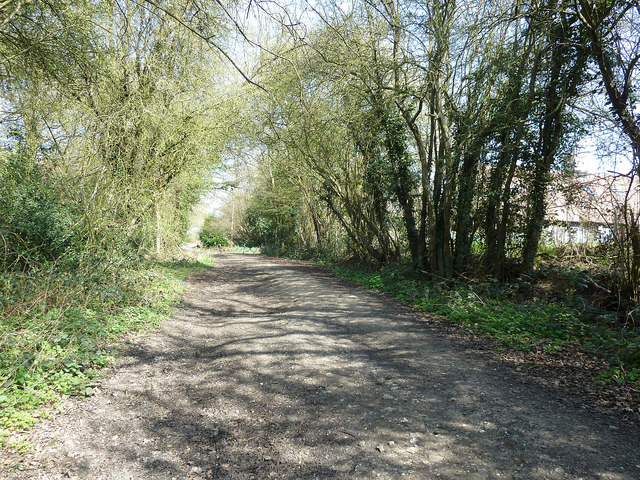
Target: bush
x=214, y=240
x=211, y=235
x=35, y=224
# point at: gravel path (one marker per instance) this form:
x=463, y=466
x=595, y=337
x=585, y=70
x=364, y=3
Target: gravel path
x=274, y=370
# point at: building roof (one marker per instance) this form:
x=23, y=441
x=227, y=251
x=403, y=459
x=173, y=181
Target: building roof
x=594, y=199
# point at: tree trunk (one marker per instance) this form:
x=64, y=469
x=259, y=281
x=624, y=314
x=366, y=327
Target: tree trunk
x=158, y=229
x=562, y=86
x=402, y=181
x=466, y=186
x=425, y=170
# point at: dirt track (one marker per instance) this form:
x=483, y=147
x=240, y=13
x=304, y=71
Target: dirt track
x=274, y=370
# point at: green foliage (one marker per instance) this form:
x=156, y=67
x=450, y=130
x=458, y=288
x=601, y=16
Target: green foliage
x=57, y=330
x=497, y=310
x=107, y=148
x=619, y=375
x=259, y=229
x=515, y=325
x=35, y=224
x=211, y=235
x=273, y=217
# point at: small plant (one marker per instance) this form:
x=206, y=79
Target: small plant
x=56, y=334
x=20, y=444
x=619, y=375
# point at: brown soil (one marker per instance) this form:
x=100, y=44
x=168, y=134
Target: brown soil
x=276, y=370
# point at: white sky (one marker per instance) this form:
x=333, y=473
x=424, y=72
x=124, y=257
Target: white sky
x=595, y=159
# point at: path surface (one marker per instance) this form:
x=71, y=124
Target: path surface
x=274, y=370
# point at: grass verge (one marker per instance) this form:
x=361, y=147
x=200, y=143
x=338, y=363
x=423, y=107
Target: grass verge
x=517, y=321
x=57, y=331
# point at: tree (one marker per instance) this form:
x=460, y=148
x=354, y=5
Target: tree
x=613, y=29
x=122, y=123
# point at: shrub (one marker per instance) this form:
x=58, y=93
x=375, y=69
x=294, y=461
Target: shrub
x=211, y=235
x=36, y=225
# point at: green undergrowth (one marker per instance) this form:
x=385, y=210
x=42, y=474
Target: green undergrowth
x=58, y=329
x=516, y=320
x=242, y=249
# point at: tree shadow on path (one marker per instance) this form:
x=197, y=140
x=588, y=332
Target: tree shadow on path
x=273, y=370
